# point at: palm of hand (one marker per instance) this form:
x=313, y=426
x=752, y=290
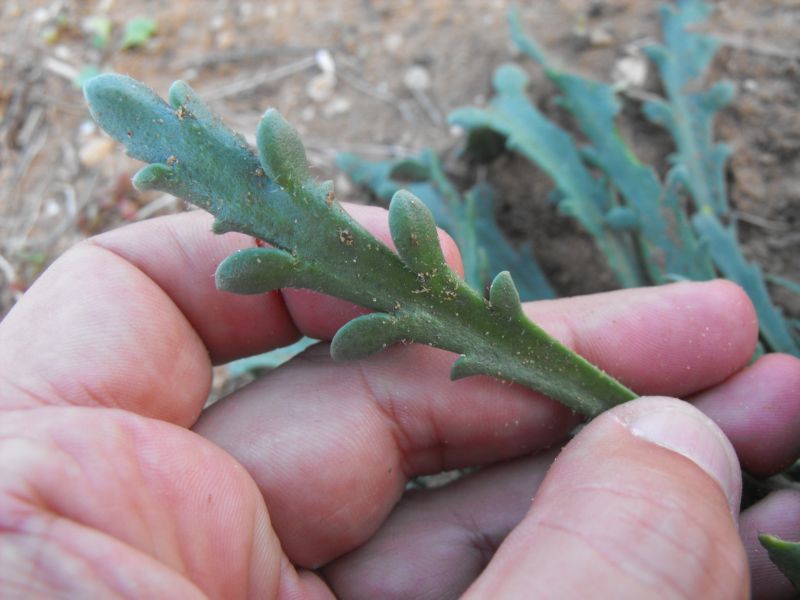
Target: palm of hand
x=106, y=503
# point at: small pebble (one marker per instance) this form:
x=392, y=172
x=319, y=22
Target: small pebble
x=630, y=71
x=456, y=131
x=216, y=23
x=95, y=150
x=599, y=37
x=62, y=52
x=337, y=106
x=87, y=128
x=40, y=15
x=308, y=113
x=343, y=185
x=393, y=42
x=226, y=39
x=417, y=79
x=52, y=208
x=321, y=87
x=325, y=61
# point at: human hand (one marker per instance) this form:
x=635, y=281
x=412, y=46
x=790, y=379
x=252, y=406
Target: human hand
x=106, y=490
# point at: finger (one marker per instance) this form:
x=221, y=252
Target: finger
x=184, y=265
x=443, y=537
x=359, y=430
x=115, y=322
x=715, y=326
x=638, y=505
x=94, y=330
x=130, y=318
x=758, y=408
x=180, y=255
x=778, y=514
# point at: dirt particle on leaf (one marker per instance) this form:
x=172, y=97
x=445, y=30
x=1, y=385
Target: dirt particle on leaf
x=346, y=237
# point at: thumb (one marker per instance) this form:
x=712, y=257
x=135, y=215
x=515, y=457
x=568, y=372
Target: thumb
x=641, y=504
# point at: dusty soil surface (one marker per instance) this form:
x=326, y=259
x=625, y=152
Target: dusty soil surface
x=61, y=180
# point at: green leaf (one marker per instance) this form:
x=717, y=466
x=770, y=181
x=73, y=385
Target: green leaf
x=410, y=169
x=499, y=254
x=785, y=555
x=257, y=271
x=469, y=218
x=788, y=284
x=317, y=245
x=414, y=234
x=138, y=32
x=269, y=360
x=595, y=107
x=724, y=248
x=670, y=243
x=683, y=62
x=697, y=264
x=503, y=295
x=282, y=153
x=100, y=27
x=368, y=334
x=530, y=133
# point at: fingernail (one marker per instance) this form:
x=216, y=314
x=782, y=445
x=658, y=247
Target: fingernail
x=680, y=427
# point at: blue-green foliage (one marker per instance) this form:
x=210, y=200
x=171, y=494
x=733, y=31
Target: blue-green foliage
x=699, y=163
x=469, y=219
x=668, y=251
x=786, y=555
x=783, y=282
x=689, y=111
x=724, y=249
x=640, y=223
x=270, y=360
x=582, y=195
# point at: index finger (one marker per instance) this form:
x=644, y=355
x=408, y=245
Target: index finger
x=132, y=319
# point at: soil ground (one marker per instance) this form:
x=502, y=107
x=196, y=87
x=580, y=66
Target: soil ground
x=61, y=180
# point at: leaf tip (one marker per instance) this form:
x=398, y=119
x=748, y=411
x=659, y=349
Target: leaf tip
x=281, y=150
x=510, y=78
x=255, y=271
x=414, y=233
x=367, y=335
x=503, y=294
x=151, y=177
x=466, y=367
